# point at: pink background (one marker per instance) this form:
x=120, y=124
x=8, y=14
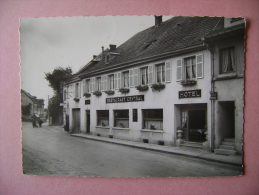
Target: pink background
x=12, y=181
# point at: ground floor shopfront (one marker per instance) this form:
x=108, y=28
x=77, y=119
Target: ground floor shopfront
x=208, y=123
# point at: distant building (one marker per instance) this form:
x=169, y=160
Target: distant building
x=177, y=83
x=37, y=105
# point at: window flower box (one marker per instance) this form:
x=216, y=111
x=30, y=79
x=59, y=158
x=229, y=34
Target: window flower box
x=97, y=93
x=158, y=86
x=142, y=87
x=76, y=99
x=124, y=90
x=87, y=94
x=188, y=82
x=109, y=92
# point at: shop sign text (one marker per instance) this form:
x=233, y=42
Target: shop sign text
x=190, y=94
x=134, y=98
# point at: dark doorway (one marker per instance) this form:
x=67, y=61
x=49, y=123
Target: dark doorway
x=88, y=121
x=197, y=125
x=76, y=121
x=226, y=113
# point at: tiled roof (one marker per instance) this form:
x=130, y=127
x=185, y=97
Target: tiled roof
x=174, y=34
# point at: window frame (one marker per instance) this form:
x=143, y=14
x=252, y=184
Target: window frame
x=220, y=60
x=127, y=78
x=146, y=117
x=115, y=125
x=98, y=84
x=111, y=81
x=144, y=73
x=98, y=118
x=163, y=72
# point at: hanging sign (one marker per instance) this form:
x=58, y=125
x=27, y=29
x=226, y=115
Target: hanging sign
x=190, y=94
x=134, y=98
x=213, y=95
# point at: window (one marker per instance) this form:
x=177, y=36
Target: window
x=111, y=81
x=227, y=62
x=190, y=68
x=160, y=73
x=126, y=79
x=102, y=118
x=88, y=83
x=121, y=118
x=144, y=76
x=153, y=119
x=98, y=83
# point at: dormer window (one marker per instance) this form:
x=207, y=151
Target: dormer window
x=107, y=58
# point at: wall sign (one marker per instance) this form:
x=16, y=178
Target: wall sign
x=190, y=93
x=134, y=98
x=87, y=102
x=213, y=95
x=135, y=115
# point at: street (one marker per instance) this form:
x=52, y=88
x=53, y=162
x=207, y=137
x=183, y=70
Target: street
x=52, y=151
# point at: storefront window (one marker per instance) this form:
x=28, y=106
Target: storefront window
x=121, y=118
x=153, y=119
x=103, y=118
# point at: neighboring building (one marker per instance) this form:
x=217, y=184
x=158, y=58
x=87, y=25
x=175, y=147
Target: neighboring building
x=179, y=82
x=37, y=105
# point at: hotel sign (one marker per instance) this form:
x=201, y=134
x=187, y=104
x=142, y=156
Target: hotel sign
x=134, y=98
x=190, y=94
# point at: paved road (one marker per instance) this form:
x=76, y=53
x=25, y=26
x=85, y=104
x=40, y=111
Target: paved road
x=51, y=151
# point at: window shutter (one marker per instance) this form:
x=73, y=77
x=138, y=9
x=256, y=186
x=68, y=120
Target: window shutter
x=199, y=66
x=84, y=85
x=102, y=88
x=150, y=74
x=105, y=82
x=79, y=89
x=115, y=80
x=131, y=78
x=75, y=90
x=168, y=72
x=119, y=80
x=179, y=68
x=93, y=84
x=136, y=73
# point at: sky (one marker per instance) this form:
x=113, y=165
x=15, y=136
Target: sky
x=48, y=43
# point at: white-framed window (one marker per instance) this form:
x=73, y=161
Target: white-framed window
x=144, y=75
x=111, y=81
x=160, y=73
x=98, y=84
x=227, y=60
x=125, y=79
x=190, y=68
x=121, y=118
x=103, y=118
x=153, y=119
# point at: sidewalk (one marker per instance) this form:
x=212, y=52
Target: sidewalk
x=183, y=151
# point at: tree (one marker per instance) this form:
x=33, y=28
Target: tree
x=26, y=109
x=56, y=79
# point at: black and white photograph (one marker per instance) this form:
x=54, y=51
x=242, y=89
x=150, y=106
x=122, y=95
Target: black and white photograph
x=132, y=96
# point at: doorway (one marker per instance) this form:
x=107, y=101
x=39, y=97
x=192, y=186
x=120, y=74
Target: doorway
x=76, y=121
x=88, y=121
x=226, y=119
x=197, y=125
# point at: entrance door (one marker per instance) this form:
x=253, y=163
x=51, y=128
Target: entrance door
x=196, y=125
x=76, y=121
x=88, y=121
x=226, y=116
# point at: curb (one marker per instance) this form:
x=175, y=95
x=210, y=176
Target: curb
x=163, y=151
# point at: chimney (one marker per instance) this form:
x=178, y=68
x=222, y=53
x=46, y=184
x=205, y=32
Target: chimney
x=158, y=20
x=112, y=47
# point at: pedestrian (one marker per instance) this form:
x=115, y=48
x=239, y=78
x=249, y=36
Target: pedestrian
x=40, y=122
x=34, y=122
